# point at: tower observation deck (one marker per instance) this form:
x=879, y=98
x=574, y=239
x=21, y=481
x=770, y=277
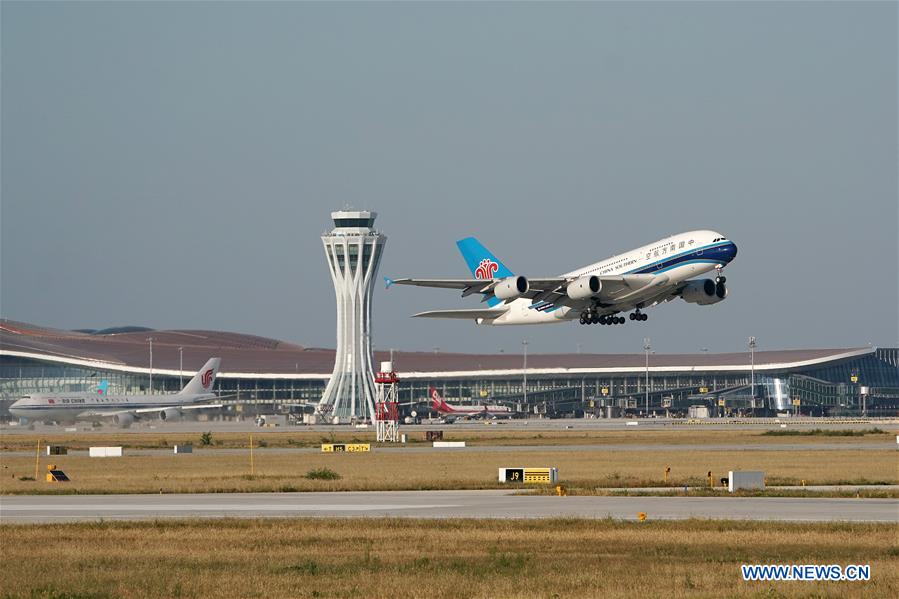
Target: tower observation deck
x=353, y=249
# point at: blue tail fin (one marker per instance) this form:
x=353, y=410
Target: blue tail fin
x=482, y=263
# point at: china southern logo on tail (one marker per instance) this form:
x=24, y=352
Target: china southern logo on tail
x=207, y=378
x=486, y=269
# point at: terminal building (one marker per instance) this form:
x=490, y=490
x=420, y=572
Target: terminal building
x=261, y=375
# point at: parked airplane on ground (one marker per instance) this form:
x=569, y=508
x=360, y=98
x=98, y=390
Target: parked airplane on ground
x=122, y=409
x=598, y=293
x=443, y=408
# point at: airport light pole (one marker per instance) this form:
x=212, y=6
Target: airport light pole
x=752, y=345
x=646, y=347
x=150, y=339
x=524, y=372
x=180, y=367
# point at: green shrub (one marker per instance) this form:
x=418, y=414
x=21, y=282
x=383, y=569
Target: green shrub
x=322, y=474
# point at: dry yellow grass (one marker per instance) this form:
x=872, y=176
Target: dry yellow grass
x=378, y=558
x=214, y=471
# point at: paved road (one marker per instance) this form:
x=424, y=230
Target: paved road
x=533, y=424
x=436, y=504
x=475, y=448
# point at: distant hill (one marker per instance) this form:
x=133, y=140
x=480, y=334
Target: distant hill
x=115, y=330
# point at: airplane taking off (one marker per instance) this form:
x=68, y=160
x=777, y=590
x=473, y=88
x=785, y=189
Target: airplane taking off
x=599, y=293
x=443, y=408
x=122, y=409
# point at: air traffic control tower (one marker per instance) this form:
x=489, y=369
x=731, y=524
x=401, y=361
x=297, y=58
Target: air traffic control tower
x=353, y=249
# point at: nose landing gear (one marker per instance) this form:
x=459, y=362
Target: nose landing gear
x=638, y=315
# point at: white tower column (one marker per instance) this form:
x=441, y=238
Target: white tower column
x=353, y=249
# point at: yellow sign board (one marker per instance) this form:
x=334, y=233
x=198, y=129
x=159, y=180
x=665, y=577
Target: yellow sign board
x=854, y=378
x=605, y=390
x=345, y=447
x=703, y=389
x=537, y=475
x=796, y=402
x=721, y=403
x=528, y=475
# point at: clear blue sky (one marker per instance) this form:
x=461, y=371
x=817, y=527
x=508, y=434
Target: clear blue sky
x=174, y=164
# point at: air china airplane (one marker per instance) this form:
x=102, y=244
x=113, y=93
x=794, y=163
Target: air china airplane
x=122, y=409
x=599, y=293
x=440, y=406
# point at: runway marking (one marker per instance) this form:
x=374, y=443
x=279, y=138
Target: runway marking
x=225, y=507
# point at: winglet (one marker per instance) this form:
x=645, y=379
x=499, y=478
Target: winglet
x=387, y=282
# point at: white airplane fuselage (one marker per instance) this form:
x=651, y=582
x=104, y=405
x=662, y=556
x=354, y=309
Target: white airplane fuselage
x=678, y=258
x=67, y=407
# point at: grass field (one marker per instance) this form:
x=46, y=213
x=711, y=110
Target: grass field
x=385, y=558
x=217, y=471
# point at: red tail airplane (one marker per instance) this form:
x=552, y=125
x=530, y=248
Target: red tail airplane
x=438, y=404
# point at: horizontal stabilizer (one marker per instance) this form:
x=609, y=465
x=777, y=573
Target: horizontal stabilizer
x=471, y=314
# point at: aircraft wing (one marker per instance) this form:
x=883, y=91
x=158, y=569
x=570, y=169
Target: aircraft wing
x=202, y=406
x=615, y=289
x=465, y=314
x=441, y=283
x=101, y=414
x=550, y=290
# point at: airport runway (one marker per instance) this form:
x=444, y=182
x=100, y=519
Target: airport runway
x=474, y=448
x=437, y=504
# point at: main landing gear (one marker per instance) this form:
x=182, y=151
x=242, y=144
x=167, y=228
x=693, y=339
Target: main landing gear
x=590, y=316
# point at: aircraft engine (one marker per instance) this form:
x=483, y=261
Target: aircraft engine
x=704, y=292
x=511, y=288
x=584, y=287
x=170, y=415
x=123, y=420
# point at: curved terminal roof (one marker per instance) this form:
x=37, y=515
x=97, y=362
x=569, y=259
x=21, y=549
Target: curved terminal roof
x=250, y=356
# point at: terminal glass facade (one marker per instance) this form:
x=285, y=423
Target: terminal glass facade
x=826, y=389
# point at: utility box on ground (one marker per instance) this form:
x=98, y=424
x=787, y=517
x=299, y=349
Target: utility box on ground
x=57, y=450
x=449, y=443
x=188, y=448
x=54, y=475
x=105, y=452
x=745, y=479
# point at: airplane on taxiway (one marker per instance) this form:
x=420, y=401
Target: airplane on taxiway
x=123, y=410
x=439, y=405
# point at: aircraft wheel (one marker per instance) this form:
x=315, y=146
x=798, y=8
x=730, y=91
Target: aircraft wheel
x=596, y=318
x=632, y=316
